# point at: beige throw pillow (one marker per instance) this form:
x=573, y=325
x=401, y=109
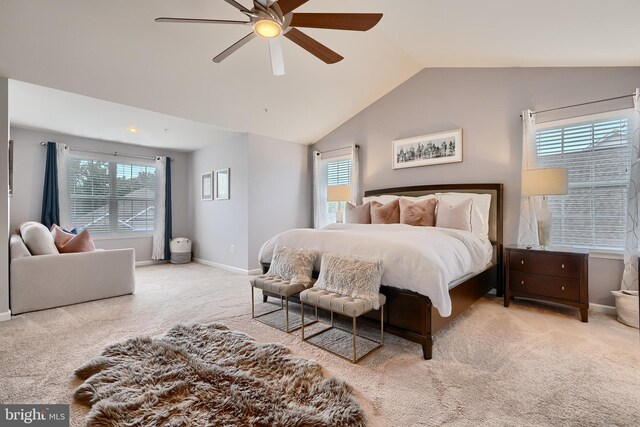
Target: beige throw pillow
x=294, y=265
x=351, y=276
x=358, y=214
x=420, y=213
x=388, y=213
x=38, y=239
x=454, y=215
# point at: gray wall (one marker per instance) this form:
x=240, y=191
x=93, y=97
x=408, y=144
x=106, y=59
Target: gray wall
x=219, y=224
x=486, y=104
x=269, y=194
x=279, y=197
x=4, y=201
x=29, y=160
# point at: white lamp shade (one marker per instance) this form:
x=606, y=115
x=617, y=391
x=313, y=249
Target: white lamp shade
x=545, y=182
x=338, y=193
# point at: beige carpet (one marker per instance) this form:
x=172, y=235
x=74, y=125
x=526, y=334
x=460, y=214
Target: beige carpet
x=526, y=365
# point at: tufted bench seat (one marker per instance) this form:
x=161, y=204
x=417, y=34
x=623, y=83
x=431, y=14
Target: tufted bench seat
x=346, y=306
x=279, y=286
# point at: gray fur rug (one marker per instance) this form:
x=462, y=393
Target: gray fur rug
x=202, y=375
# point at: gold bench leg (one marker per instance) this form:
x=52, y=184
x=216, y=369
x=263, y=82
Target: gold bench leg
x=382, y=324
x=253, y=304
x=354, y=340
x=286, y=313
x=302, y=317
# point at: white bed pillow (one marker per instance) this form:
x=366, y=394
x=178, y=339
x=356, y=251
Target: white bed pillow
x=481, y=205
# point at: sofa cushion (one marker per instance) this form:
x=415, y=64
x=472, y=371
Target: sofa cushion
x=38, y=239
x=71, y=243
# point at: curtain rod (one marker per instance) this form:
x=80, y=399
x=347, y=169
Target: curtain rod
x=581, y=104
x=115, y=153
x=337, y=149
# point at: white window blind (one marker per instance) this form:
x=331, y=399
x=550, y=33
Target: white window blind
x=111, y=197
x=596, y=151
x=338, y=173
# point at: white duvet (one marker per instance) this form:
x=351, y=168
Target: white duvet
x=419, y=259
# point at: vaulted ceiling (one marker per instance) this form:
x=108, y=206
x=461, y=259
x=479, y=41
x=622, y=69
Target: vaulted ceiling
x=113, y=50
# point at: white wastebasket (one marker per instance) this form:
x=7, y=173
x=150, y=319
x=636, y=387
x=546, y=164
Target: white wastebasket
x=180, y=250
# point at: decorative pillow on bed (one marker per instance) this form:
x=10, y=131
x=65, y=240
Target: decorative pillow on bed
x=351, y=276
x=358, y=214
x=385, y=198
x=421, y=213
x=294, y=265
x=480, y=207
x=454, y=215
x=385, y=214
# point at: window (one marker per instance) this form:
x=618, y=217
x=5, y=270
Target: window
x=338, y=173
x=110, y=196
x=596, y=150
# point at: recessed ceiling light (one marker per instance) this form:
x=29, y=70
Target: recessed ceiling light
x=132, y=130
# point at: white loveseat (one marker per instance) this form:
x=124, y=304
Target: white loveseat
x=47, y=281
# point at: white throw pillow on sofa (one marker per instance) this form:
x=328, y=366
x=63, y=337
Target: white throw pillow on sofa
x=38, y=239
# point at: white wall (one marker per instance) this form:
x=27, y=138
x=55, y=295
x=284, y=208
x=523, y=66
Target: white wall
x=218, y=224
x=29, y=163
x=486, y=104
x=269, y=194
x=4, y=201
x=279, y=196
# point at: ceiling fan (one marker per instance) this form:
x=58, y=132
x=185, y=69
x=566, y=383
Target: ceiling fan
x=272, y=19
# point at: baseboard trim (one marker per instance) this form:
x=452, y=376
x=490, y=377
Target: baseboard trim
x=227, y=267
x=607, y=309
x=150, y=262
x=5, y=316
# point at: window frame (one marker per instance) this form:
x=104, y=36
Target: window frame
x=627, y=113
x=114, y=199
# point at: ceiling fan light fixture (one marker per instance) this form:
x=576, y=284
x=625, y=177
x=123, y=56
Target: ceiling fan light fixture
x=267, y=28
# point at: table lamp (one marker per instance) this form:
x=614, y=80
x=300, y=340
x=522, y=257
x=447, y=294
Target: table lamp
x=544, y=182
x=339, y=193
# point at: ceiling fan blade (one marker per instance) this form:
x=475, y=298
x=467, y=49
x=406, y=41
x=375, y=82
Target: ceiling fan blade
x=238, y=6
x=277, y=56
x=336, y=21
x=313, y=46
x=237, y=45
x=289, y=6
x=200, y=21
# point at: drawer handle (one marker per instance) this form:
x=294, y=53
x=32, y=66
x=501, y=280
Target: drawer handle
x=522, y=262
x=562, y=265
x=563, y=288
x=522, y=283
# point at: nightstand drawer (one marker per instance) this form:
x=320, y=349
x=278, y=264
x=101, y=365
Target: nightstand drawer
x=545, y=263
x=549, y=286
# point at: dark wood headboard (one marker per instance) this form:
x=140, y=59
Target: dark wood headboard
x=495, y=190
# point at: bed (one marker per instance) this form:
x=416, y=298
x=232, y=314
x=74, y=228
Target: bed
x=409, y=313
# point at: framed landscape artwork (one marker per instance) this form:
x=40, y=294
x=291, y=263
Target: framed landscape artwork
x=222, y=184
x=425, y=150
x=206, y=186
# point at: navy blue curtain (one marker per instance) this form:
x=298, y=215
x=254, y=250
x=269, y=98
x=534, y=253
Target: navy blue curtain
x=50, y=202
x=167, y=213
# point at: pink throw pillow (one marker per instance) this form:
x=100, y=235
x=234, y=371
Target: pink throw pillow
x=70, y=243
x=388, y=213
x=420, y=213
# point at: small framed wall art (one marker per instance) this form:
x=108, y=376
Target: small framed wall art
x=206, y=186
x=223, y=181
x=425, y=150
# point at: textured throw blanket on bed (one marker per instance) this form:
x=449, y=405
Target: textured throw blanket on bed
x=420, y=259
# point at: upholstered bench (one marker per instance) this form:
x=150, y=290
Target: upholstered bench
x=283, y=288
x=344, y=305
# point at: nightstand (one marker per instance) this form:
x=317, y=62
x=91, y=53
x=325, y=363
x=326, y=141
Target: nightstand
x=549, y=274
